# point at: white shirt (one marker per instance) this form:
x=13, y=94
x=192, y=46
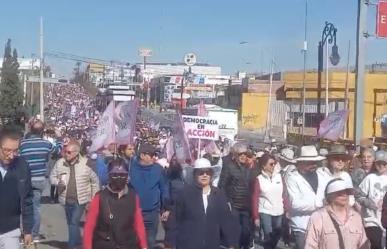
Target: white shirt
x=3, y=171
x=205, y=200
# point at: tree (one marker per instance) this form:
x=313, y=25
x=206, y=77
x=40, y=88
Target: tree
x=11, y=90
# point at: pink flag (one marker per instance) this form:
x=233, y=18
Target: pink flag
x=202, y=109
x=125, y=119
x=333, y=125
x=105, y=131
x=212, y=148
x=182, y=148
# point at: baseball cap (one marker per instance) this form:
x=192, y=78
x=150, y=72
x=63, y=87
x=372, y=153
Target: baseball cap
x=147, y=149
x=381, y=156
x=118, y=166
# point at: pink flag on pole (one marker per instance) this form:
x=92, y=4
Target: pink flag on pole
x=105, y=130
x=182, y=148
x=332, y=126
x=125, y=119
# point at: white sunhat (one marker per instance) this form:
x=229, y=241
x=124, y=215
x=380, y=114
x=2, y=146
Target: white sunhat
x=287, y=155
x=309, y=153
x=337, y=185
x=202, y=163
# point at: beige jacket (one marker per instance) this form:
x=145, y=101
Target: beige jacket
x=86, y=180
x=321, y=233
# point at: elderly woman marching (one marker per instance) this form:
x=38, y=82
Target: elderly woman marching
x=202, y=213
x=336, y=225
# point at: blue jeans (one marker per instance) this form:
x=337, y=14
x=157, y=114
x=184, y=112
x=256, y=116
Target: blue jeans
x=37, y=188
x=74, y=212
x=243, y=220
x=151, y=222
x=299, y=239
x=272, y=227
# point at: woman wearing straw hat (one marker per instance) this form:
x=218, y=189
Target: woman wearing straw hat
x=338, y=157
x=336, y=225
x=202, y=213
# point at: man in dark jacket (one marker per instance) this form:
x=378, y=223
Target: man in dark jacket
x=384, y=213
x=235, y=181
x=148, y=180
x=15, y=192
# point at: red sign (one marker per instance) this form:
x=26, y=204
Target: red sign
x=381, y=21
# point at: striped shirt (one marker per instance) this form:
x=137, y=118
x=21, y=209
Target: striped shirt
x=36, y=152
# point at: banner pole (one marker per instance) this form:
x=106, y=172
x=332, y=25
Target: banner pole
x=199, y=151
x=114, y=131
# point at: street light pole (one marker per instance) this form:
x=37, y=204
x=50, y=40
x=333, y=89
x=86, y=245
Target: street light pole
x=326, y=81
x=328, y=37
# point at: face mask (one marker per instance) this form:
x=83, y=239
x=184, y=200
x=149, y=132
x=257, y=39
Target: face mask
x=118, y=184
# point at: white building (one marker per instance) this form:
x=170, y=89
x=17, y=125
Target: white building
x=99, y=73
x=25, y=64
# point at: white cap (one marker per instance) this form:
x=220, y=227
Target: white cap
x=337, y=185
x=202, y=163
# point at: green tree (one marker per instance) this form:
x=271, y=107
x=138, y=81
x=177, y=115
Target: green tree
x=11, y=89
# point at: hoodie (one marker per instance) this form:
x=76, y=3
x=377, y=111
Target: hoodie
x=150, y=185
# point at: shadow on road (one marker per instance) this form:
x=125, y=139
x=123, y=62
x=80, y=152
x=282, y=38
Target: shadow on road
x=55, y=244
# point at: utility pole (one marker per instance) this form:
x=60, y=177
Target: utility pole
x=268, y=121
x=41, y=71
x=346, y=105
x=305, y=51
x=360, y=69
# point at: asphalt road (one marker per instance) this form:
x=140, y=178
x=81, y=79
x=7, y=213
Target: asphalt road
x=54, y=227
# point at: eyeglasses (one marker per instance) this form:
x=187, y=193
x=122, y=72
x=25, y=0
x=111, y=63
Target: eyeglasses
x=203, y=172
x=10, y=151
x=69, y=152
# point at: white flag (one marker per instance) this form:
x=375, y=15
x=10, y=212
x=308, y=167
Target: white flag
x=105, y=131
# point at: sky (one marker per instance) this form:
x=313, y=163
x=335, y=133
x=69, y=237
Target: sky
x=213, y=29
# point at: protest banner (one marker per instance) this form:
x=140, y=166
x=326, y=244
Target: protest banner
x=201, y=127
x=332, y=126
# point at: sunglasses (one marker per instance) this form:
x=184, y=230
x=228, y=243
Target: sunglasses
x=118, y=176
x=69, y=152
x=205, y=172
x=339, y=158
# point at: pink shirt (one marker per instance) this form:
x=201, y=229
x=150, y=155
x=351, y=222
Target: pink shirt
x=321, y=233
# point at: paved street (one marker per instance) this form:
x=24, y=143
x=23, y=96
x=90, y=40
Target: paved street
x=55, y=229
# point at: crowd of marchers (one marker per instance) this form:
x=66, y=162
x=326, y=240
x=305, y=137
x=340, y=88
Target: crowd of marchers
x=233, y=197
